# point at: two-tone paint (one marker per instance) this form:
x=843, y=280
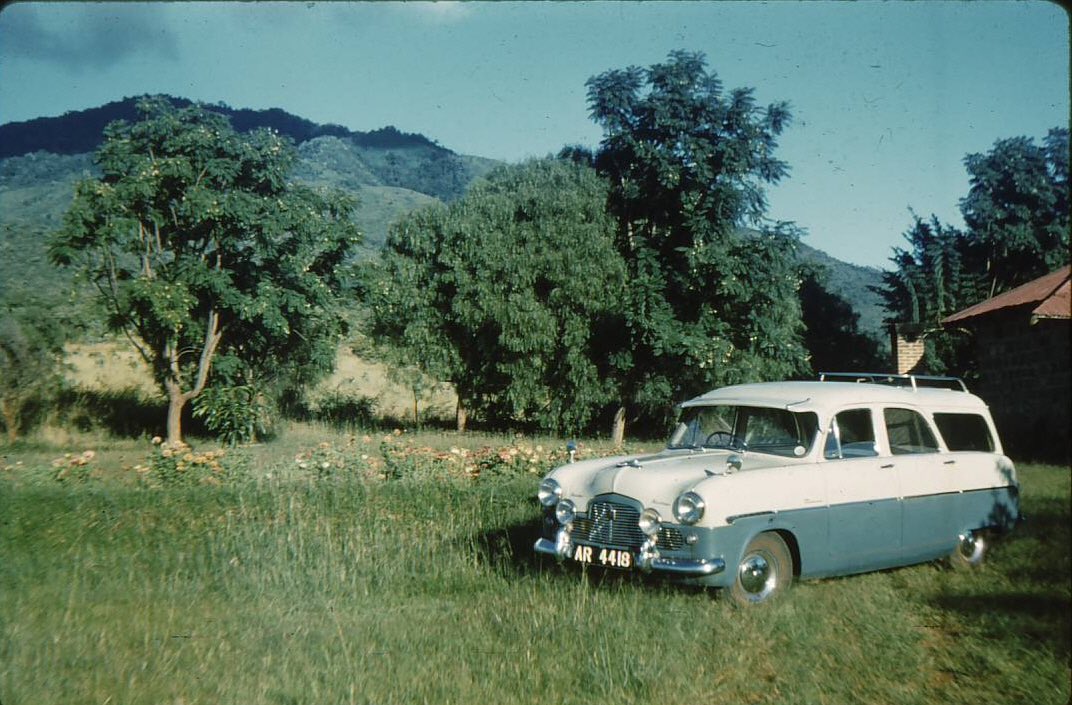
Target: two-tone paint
x=837, y=515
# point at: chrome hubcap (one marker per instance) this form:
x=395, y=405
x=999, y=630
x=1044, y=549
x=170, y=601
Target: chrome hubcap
x=971, y=547
x=756, y=576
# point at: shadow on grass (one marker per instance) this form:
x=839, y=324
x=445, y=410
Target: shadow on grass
x=510, y=548
x=1035, y=619
x=124, y=413
x=1032, y=602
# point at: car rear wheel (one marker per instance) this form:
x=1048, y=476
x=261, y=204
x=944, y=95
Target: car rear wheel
x=765, y=571
x=970, y=551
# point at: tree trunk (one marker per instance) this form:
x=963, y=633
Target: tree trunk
x=462, y=417
x=416, y=417
x=176, y=397
x=10, y=412
x=617, y=429
x=176, y=402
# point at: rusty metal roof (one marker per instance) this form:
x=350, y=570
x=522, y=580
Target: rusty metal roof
x=1050, y=297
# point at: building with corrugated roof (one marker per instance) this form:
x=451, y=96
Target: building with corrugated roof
x=1025, y=375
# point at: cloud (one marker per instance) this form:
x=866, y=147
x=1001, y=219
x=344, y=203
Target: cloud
x=84, y=35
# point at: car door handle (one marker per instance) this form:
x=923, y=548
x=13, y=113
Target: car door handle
x=949, y=462
x=886, y=467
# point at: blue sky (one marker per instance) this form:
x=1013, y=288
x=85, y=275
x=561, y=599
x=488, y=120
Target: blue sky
x=887, y=98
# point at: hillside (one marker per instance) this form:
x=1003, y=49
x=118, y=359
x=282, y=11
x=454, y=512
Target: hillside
x=853, y=284
x=35, y=191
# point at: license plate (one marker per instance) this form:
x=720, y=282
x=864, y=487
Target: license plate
x=606, y=557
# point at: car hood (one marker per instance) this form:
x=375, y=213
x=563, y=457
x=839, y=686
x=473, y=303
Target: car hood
x=654, y=480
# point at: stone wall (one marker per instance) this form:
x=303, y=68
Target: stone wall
x=1025, y=378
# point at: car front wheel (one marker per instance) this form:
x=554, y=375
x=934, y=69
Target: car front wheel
x=765, y=570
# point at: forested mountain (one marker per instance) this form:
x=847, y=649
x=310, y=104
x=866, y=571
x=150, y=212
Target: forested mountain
x=393, y=158
x=388, y=171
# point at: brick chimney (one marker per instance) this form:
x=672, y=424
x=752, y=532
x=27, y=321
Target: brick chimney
x=906, y=344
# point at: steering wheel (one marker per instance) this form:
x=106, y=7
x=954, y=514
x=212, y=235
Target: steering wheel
x=725, y=439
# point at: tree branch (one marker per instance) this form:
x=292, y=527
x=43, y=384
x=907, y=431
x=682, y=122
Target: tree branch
x=213, y=335
x=146, y=255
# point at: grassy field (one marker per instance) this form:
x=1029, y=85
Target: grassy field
x=307, y=577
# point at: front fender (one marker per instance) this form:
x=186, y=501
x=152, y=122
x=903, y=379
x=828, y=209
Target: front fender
x=803, y=531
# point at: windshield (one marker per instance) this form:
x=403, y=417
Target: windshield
x=746, y=428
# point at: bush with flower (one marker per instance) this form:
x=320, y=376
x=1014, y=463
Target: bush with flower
x=404, y=460
x=74, y=467
x=330, y=460
x=173, y=464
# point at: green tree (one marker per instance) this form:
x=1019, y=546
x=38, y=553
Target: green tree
x=409, y=313
x=1017, y=219
x=709, y=301
x=930, y=282
x=205, y=257
x=31, y=357
x=1017, y=211
x=507, y=294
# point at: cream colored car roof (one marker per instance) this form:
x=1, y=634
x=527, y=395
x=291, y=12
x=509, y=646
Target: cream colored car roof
x=825, y=396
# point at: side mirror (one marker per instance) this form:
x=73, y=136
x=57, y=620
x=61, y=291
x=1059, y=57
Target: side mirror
x=571, y=448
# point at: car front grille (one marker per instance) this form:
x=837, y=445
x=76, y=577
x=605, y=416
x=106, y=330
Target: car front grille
x=670, y=539
x=616, y=525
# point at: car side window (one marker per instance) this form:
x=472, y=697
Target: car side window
x=851, y=435
x=964, y=432
x=908, y=432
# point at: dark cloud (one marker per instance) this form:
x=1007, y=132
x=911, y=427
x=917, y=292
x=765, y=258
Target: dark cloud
x=85, y=35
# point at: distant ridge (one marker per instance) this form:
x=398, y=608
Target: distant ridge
x=79, y=131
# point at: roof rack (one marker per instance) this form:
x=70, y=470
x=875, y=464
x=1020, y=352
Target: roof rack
x=913, y=381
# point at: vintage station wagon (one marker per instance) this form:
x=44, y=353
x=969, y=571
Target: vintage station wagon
x=761, y=483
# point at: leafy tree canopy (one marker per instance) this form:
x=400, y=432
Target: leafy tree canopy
x=507, y=293
x=1017, y=210
x=204, y=254
x=708, y=302
x=1017, y=216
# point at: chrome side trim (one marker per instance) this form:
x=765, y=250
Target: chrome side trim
x=870, y=501
x=770, y=512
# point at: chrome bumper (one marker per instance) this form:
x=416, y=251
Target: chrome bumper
x=686, y=567
x=545, y=546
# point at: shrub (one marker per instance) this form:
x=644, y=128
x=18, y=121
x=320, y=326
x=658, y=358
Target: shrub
x=179, y=465
x=328, y=461
x=341, y=409
x=74, y=468
x=236, y=414
x=404, y=461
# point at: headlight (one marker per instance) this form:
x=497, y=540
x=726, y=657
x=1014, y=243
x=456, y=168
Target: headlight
x=689, y=508
x=565, y=512
x=649, y=522
x=549, y=493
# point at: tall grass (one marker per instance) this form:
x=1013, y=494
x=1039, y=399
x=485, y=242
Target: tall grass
x=350, y=590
